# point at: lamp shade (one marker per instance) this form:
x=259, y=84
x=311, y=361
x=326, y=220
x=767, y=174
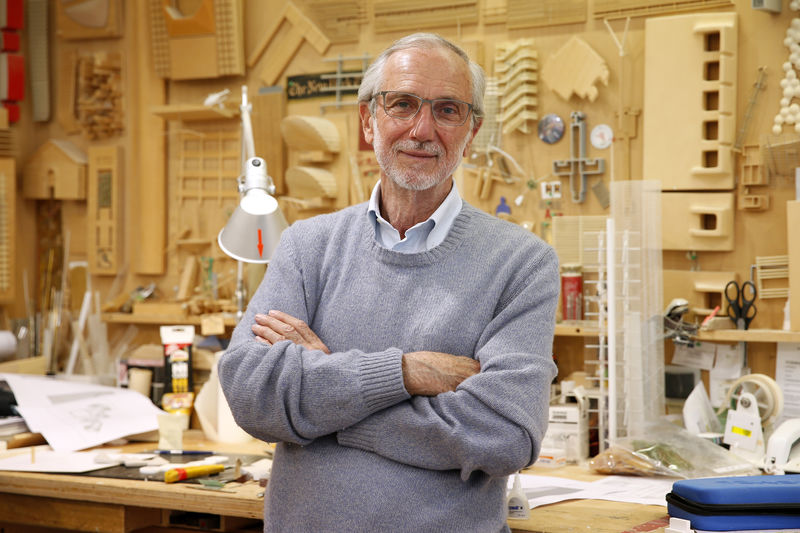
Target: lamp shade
x=252, y=233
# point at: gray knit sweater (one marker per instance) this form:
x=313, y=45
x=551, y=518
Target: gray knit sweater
x=356, y=452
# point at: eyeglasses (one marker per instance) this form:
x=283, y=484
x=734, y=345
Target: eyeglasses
x=405, y=106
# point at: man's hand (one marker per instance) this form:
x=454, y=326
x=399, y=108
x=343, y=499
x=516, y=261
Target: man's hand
x=278, y=326
x=431, y=373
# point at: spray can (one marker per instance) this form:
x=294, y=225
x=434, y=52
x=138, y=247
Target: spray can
x=571, y=292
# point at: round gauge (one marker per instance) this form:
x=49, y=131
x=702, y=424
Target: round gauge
x=602, y=136
x=551, y=128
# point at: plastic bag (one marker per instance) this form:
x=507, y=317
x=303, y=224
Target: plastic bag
x=669, y=450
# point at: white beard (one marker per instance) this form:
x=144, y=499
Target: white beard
x=408, y=177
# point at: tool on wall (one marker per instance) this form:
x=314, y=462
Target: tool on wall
x=578, y=165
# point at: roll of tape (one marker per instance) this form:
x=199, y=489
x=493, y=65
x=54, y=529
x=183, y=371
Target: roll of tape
x=139, y=379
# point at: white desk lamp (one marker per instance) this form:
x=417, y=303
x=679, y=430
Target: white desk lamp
x=252, y=233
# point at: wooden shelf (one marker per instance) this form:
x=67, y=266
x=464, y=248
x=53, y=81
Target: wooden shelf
x=189, y=112
x=130, y=318
x=577, y=328
x=749, y=335
x=590, y=329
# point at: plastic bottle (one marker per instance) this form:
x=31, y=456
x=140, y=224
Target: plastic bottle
x=518, y=507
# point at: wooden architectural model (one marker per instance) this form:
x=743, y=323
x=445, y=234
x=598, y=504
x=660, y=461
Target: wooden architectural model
x=690, y=101
x=88, y=19
x=575, y=69
x=104, y=210
x=516, y=67
x=205, y=44
x=56, y=170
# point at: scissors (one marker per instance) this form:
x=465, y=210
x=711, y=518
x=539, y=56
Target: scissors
x=741, y=309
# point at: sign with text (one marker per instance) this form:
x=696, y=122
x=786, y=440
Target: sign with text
x=323, y=84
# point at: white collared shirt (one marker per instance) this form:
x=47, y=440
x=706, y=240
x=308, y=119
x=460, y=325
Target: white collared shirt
x=420, y=237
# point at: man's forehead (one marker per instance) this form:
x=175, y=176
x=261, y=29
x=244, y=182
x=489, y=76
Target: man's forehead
x=430, y=69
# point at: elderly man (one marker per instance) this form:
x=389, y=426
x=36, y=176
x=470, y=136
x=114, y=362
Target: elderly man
x=399, y=351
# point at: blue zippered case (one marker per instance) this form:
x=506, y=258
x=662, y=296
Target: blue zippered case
x=737, y=503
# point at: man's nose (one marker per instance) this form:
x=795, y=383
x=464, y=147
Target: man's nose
x=424, y=123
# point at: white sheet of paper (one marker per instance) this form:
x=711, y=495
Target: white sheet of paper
x=543, y=490
x=52, y=461
x=699, y=356
x=631, y=489
x=73, y=416
x=727, y=369
x=787, y=375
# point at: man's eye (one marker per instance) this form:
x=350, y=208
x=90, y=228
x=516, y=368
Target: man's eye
x=402, y=104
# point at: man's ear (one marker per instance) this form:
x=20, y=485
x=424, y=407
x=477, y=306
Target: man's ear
x=367, y=121
x=472, y=137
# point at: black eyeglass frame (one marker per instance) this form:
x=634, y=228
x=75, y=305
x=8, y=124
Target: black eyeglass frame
x=382, y=94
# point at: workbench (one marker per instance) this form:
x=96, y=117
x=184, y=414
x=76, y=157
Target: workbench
x=35, y=502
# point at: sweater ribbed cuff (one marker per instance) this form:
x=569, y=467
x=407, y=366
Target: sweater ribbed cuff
x=362, y=436
x=382, y=379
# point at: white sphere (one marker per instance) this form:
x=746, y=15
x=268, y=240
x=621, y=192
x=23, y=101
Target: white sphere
x=778, y=119
x=787, y=41
x=776, y=129
x=784, y=112
x=785, y=102
x=788, y=92
x=787, y=66
x=784, y=83
x=791, y=75
x=797, y=128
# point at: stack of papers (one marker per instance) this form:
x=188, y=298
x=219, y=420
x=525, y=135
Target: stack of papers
x=543, y=490
x=11, y=425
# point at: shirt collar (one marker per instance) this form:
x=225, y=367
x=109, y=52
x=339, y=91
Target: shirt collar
x=432, y=231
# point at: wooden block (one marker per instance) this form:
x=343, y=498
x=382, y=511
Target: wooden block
x=169, y=309
x=296, y=18
x=30, y=365
x=308, y=182
x=703, y=289
x=793, y=238
x=211, y=325
x=280, y=54
x=310, y=133
x=269, y=108
x=297, y=28
x=104, y=220
x=188, y=279
x=147, y=137
x=701, y=221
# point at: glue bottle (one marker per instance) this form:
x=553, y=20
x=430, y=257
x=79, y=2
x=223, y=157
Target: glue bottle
x=518, y=507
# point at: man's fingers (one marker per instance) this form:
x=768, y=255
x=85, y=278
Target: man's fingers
x=277, y=326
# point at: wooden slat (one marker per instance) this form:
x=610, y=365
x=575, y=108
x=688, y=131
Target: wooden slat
x=527, y=14
x=617, y=9
x=75, y=515
x=416, y=14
